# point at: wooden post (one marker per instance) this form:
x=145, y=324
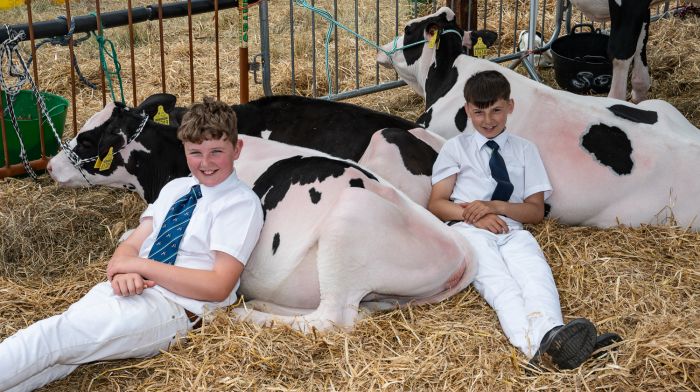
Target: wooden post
x=243, y=50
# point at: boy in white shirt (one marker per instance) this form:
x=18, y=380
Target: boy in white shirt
x=486, y=184
x=185, y=258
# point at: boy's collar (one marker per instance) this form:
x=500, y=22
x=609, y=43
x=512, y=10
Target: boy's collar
x=501, y=139
x=231, y=180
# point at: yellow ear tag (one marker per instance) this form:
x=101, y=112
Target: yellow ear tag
x=98, y=163
x=479, y=48
x=433, y=40
x=107, y=162
x=161, y=117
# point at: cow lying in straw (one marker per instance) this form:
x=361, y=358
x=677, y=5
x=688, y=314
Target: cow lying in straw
x=335, y=235
x=609, y=161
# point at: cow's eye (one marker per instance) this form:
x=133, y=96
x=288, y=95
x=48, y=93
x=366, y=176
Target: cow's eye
x=85, y=143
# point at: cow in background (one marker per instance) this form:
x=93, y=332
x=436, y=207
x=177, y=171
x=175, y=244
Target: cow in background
x=609, y=161
x=335, y=236
x=629, y=33
x=401, y=155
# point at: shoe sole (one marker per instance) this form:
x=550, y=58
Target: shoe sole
x=573, y=344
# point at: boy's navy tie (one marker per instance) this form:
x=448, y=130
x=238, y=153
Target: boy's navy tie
x=504, y=188
x=168, y=241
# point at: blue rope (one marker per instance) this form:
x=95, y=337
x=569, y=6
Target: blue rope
x=331, y=26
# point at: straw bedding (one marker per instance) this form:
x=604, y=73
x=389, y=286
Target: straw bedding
x=641, y=282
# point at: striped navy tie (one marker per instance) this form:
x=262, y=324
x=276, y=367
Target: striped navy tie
x=504, y=188
x=168, y=241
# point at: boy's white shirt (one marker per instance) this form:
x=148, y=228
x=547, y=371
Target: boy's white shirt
x=228, y=218
x=468, y=156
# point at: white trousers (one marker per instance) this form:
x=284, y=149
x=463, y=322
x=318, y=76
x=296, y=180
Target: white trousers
x=514, y=278
x=100, y=326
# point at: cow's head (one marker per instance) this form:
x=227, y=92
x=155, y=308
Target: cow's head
x=429, y=42
x=125, y=148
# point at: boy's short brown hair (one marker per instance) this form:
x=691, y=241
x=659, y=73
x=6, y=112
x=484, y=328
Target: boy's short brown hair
x=208, y=120
x=484, y=88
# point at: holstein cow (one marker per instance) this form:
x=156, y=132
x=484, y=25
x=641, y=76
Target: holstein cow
x=629, y=32
x=609, y=161
x=335, y=235
x=392, y=147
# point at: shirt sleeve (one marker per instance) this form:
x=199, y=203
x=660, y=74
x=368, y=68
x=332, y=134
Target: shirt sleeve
x=236, y=228
x=447, y=162
x=536, y=179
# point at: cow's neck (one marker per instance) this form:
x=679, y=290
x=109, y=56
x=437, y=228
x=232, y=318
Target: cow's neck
x=442, y=75
x=164, y=161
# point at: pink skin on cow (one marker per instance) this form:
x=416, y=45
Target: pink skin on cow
x=665, y=154
x=345, y=249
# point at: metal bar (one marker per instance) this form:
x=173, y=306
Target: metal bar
x=162, y=45
x=314, y=87
x=265, y=47
x=357, y=48
x=532, y=27
x=376, y=32
x=131, y=51
x=335, y=31
x=216, y=44
x=71, y=50
x=87, y=23
x=5, y=151
x=189, y=35
x=35, y=70
x=98, y=19
x=365, y=90
x=243, y=53
x=291, y=44
x=18, y=168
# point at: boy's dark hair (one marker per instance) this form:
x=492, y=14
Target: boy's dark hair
x=484, y=88
x=208, y=120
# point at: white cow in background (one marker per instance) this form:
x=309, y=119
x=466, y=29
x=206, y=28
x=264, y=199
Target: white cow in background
x=609, y=161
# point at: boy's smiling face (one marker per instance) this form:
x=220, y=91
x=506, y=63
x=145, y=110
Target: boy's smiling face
x=490, y=121
x=211, y=161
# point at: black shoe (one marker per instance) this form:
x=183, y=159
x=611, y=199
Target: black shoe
x=568, y=345
x=605, y=340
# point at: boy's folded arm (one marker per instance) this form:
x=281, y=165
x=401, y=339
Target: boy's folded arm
x=440, y=204
x=205, y=285
x=531, y=210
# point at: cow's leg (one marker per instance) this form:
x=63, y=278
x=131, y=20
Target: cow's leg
x=269, y=307
x=618, y=86
x=641, y=82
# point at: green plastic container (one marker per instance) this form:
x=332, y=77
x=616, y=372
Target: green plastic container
x=26, y=113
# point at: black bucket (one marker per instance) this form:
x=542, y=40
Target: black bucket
x=581, y=63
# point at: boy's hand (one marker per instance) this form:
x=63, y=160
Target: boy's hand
x=126, y=285
x=472, y=212
x=492, y=223
x=121, y=265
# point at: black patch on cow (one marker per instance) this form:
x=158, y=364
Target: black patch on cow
x=315, y=195
x=461, y=119
x=418, y=157
x=442, y=77
x=336, y=128
x=272, y=186
x=547, y=209
x=626, y=23
x=610, y=146
x=275, y=242
x=634, y=114
x=357, y=183
x=424, y=119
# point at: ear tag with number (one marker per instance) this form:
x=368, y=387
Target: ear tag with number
x=480, y=48
x=107, y=161
x=161, y=117
x=434, y=43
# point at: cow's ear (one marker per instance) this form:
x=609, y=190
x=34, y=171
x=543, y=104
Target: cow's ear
x=488, y=37
x=150, y=105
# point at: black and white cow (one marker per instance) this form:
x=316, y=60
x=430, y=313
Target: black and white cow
x=335, y=235
x=609, y=161
x=398, y=153
x=629, y=33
